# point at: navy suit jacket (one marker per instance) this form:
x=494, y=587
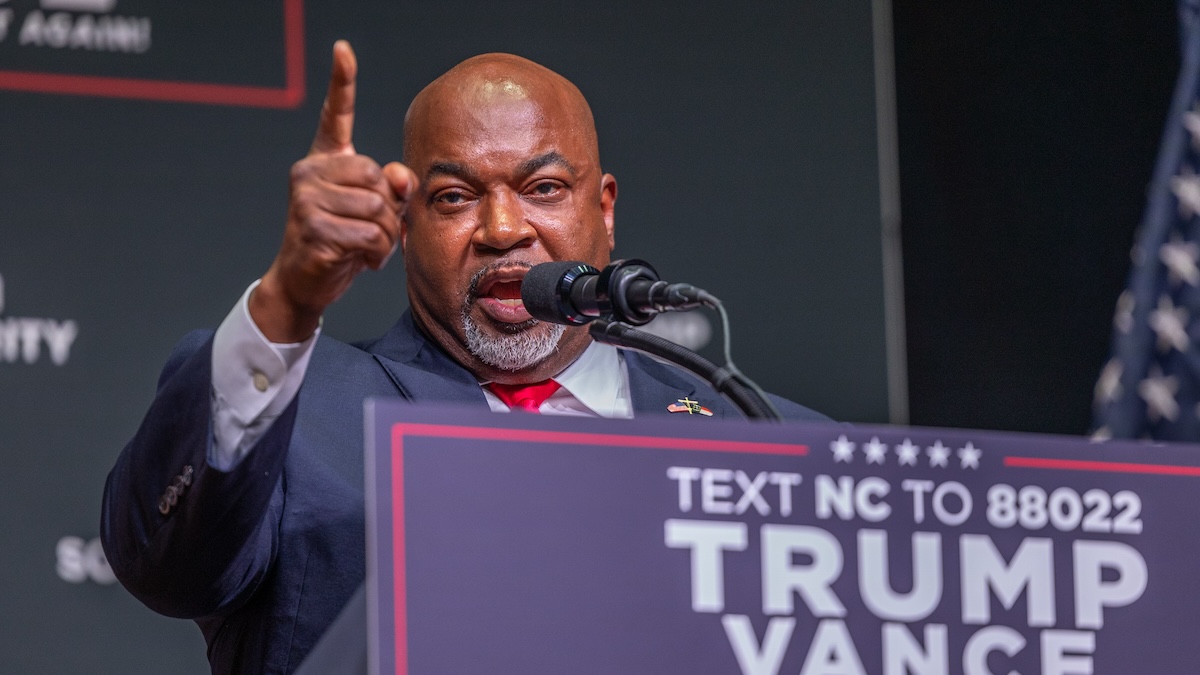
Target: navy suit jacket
x=265, y=555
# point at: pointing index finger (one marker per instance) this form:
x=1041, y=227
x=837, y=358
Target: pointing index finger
x=336, y=127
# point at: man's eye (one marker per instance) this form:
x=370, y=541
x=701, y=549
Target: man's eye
x=547, y=189
x=451, y=198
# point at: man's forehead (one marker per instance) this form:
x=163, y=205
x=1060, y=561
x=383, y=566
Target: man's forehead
x=499, y=95
x=501, y=134
x=521, y=168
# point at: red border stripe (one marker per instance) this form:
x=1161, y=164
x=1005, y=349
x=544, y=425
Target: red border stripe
x=399, y=560
x=1092, y=465
x=580, y=438
x=184, y=92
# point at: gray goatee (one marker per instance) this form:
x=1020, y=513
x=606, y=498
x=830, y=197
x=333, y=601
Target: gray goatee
x=519, y=345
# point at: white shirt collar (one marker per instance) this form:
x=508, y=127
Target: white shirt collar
x=595, y=384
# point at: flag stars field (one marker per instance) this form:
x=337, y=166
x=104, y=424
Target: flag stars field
x=1149, y=386
x=1186, y=187
x=1158, y=391
x=1108, y=387
x=1123, y=316
x=1191, y=122
x=1169, y=323
x=1180, y=259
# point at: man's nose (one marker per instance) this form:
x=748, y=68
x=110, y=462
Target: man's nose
x=503, y=224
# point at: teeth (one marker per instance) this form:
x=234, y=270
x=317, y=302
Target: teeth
x=510, y=302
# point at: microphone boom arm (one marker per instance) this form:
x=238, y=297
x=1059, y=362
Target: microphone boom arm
x=725, y=381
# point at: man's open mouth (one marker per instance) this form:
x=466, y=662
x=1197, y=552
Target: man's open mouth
x=498, y=293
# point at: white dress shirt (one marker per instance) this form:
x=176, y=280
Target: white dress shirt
x=254, y=380
x=595, y=385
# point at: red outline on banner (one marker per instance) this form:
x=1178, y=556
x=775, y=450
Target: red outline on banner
x=402, y=429
x=1092, y=465
x=399, y=587
x=185, y=92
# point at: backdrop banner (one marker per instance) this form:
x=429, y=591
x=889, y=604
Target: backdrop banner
x=530, y=544
x=144, y=159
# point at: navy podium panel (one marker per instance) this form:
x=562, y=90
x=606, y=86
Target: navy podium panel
x=529, y=544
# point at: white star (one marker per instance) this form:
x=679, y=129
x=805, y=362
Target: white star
x=1123, y=318
x=1180, y=258
x=876, y=451
x=969, y=454
x=1108, y=387
x=1191, y=122
x=907, y=452
x=1159, y=393
x=938, y=454
x=1168, y=323
x=843, y=449
x=1186, y=187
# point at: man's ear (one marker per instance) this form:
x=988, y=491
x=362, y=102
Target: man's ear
x=608, y=202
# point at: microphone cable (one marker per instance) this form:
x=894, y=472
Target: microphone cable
x=711, y=301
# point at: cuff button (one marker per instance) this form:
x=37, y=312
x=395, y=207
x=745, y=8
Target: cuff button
x=260, y=381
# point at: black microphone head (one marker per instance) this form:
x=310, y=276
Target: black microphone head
x=546, y=291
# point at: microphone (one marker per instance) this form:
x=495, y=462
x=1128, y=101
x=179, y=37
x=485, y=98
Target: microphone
x=574, y=293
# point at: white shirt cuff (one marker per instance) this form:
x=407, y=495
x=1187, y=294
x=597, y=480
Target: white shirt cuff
x=253, y=381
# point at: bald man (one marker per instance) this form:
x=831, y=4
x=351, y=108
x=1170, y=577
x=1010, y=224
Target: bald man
x=239, y=502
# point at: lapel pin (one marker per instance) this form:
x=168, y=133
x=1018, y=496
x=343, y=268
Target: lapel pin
x=690, y=407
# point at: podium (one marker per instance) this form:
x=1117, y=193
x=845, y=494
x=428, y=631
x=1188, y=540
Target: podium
x=534, y=544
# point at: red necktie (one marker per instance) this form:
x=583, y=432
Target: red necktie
x=528, y=397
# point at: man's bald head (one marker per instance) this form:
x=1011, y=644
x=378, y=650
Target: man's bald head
x=509, y=177
x=498, y=80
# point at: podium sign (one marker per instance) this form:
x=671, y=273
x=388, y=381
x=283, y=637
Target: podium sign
x=529, y=544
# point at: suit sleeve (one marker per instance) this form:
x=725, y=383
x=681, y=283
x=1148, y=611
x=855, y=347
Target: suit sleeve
x=206, y=553
x=253, y=381
x=794, y=412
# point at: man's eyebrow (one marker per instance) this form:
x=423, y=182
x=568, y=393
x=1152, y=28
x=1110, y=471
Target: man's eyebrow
x=553, y=157
x=450, y=169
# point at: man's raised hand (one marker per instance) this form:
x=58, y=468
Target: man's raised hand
x=343, y=215
x=336, y=128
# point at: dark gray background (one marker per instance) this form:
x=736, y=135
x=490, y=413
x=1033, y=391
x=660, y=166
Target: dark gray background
x=744, y=144
x=1028, y=132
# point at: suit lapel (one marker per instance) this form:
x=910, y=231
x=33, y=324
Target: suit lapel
x=654, y=386
x=422, y=371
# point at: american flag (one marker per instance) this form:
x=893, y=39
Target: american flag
x=1150, y=388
